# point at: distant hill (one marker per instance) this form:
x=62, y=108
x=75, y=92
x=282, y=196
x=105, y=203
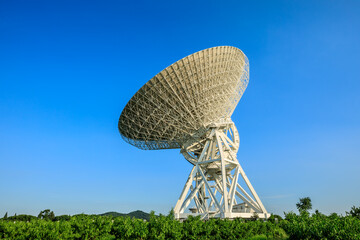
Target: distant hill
x=136, y=214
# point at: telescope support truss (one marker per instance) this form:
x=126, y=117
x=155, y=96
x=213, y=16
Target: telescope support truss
x=212, y=185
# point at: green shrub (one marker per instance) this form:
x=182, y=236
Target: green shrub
x=303, y=226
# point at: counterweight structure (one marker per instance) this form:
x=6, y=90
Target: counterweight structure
x=189, y=105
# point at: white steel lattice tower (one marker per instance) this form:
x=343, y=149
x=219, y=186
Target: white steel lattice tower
x=189, y=105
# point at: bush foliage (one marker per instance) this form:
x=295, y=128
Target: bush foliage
x=320, y=226
x=302, y=226
x=162, y=227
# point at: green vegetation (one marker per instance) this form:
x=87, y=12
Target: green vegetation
x=304, y=204
x=162, y=227
x=320, y=226
x=46, y=215
x=355, y=212
x=82, y=226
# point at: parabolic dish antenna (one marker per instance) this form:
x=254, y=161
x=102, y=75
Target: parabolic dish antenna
x=188, y=105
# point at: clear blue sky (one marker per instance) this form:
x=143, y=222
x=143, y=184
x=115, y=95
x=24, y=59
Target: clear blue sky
x=67, y=69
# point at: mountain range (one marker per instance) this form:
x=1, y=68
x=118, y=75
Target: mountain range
x=136, y=214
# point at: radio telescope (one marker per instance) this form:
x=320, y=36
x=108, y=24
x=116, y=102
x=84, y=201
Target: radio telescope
x=188, y=105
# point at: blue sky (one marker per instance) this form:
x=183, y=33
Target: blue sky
x=67, y=69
